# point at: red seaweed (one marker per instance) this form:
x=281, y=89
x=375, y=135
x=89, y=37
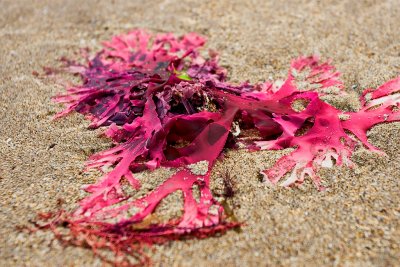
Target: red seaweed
x=164, y=105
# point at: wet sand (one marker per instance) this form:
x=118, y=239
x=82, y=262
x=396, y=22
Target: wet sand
x=356, y=222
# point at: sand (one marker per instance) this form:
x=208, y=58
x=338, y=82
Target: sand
x=354, y=223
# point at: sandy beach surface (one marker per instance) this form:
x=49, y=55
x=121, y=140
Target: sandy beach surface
x=356, y=222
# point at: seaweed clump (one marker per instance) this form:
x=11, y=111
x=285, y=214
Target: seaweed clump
x=164, y=105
